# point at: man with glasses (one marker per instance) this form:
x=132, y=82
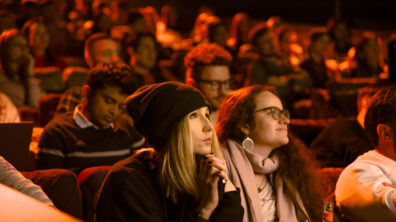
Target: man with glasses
x=208, y=70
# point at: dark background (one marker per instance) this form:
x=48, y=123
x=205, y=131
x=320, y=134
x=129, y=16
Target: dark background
x=366, y=14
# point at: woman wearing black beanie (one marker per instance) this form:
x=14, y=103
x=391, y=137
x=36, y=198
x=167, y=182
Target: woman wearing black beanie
x=182, y=177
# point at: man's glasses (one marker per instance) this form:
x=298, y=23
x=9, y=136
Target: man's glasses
x=216, y=84
x=275, y=112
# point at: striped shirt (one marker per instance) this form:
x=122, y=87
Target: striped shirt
x=11, y=177
x=70, y=141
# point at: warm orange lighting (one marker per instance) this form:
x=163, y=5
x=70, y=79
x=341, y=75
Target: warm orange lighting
x=296, y=48
x=294, y=60
x=331, y=64
x=351, y=53
x=161, y=27
x=343, y=66
x=383, y=75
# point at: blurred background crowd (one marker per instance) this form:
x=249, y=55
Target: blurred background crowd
x=317, y=66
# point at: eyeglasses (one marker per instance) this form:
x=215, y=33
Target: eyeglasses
x=275, y=112
x=216, y=84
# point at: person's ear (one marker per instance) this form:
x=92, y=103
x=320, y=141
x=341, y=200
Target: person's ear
x=86, y=91
x=245, y=129
x=191, y=82
x=384, y=132
x=365, y=102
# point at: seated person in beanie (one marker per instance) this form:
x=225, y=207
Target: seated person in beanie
x=366, y=189
x=208, y=69
x=96, y=132
x=178, y=179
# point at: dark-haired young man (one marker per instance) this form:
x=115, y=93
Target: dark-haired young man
x=208, y=70
x=366, y=189
x=96, y=132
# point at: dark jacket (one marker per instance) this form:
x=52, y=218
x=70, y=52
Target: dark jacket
x=340, y=143
x=130, y=193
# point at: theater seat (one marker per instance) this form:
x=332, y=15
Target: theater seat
x=47, y=107
x=329, y=177
x=74, y=76
x=90, y=180
x=50, y=79
x=61, y=187
x=29, y=114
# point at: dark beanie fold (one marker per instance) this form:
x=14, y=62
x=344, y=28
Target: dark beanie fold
x=157, y=109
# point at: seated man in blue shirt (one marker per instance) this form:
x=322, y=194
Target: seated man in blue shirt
x=96, y=132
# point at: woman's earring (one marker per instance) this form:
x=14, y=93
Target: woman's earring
x=247, y=143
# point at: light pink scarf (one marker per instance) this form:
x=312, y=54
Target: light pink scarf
x=241, y=166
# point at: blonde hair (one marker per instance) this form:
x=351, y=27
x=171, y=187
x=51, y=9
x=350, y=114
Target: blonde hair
x=178, y=168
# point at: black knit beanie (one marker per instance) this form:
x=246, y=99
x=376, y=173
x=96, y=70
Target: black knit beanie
x=157, y=109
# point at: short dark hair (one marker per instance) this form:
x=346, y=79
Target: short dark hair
x=119, y=75
x=382, y=109
x=315, y=36
x=212, y=26
x=205, y=55
x=256, y=32
x=370, y=90
x=333, y=23
x=134, y=15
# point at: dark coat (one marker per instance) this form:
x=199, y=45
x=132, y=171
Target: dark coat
x=130, y=193
x=340, y=143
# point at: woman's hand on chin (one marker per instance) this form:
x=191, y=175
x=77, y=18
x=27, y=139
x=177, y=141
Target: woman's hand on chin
x=211, y=170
